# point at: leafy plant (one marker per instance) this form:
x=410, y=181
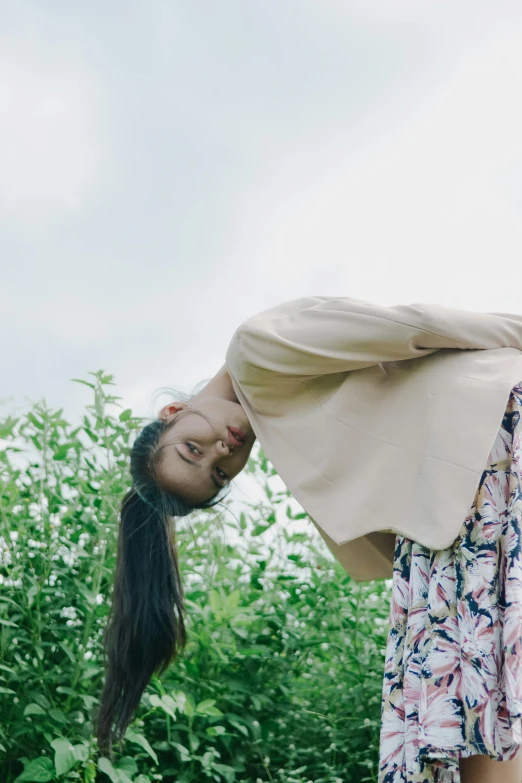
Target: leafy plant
x=281, y=678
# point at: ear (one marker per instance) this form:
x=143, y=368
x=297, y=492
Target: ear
x=171, y=409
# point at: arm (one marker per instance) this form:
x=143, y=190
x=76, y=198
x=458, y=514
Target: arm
x=319, y=335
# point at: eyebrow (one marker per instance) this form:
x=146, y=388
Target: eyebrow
x=197, y=465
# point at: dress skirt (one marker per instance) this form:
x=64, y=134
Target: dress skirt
x=453, y=668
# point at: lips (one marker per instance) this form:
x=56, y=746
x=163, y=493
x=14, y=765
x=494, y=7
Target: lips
x=237, y=437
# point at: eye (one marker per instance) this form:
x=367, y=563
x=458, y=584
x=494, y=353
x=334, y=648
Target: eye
x=221, y=473
x=193, y=449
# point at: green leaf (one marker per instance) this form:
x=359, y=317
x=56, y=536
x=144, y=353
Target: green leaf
x=118, y=774
x=68, y=652
x=237, y=724
x=4, y=599
x=203, y=705
x=232, y=600
x=214, y=712
x=66, y=690
x=61, y=452
x=36, y=442
x=215, y=731
x=127, y=765
x=139, y=739
x=104, y=765
x=90, y=595
x=229, y=773
x=183, y=751
x=166, y=703
x=104, y=378
x=57, y=715
x=7, y=426
x=64, y=756
x=206, y=707
x=90, y=671
x=189, y=707
x=239, y=631
x=35, y=422
x=42, y=700
x=85, y=383
x=7, y=690
x=34, y=709
x=215, y=600
x=81, y=751
x=8, y=622
x=40, y=770
x=31, y=594
x=125, y=415
x=89, y=701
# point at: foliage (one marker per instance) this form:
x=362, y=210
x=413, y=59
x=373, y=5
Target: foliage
x=281, y=679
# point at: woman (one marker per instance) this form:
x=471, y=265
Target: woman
x=380, y=421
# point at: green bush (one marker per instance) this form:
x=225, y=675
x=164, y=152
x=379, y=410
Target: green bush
x=281, y=678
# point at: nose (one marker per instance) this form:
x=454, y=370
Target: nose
x=222, y=448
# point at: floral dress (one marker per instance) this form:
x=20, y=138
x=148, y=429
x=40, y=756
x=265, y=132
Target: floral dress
x=453, y=669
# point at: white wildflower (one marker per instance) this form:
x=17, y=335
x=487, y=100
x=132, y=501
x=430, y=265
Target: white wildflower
x=67, y=556
x=5, y=555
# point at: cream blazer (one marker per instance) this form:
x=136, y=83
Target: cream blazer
x=378, y=419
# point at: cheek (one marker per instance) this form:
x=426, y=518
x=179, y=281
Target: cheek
x=244, y=459
x=167, y=467
x=197, y=429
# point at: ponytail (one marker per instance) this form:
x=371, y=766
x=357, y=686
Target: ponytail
x=145, y=629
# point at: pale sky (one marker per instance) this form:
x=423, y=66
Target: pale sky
x=169, y=168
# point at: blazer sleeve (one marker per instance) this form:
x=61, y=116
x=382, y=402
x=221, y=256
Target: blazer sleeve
x=319, y=335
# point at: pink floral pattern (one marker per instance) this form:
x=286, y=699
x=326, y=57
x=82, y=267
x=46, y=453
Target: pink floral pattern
x=453, y=669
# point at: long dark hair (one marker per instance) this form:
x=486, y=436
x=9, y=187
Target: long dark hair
x=145, y=629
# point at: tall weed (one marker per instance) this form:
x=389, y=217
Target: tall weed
x=281, y=678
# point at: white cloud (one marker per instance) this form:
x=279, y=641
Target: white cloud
x=429, y=207
x=238, y=179
x=50, y=134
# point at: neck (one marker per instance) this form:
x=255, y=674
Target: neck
x=218, y=386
